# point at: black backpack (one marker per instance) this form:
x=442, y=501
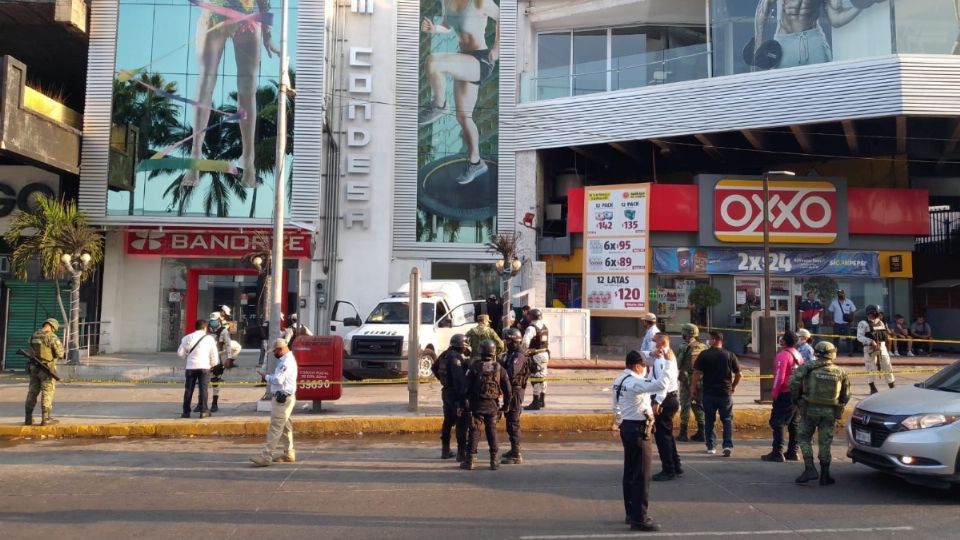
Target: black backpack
x=489, y=375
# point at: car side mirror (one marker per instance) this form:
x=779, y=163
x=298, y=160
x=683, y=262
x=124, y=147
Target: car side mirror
x=445, y=323
x=352, y=321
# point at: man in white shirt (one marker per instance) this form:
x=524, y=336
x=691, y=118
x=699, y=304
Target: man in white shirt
x=282, y=385
x=199, y=349
x=649, y=322
x=844, y=312
x=634, y=416
x=665, y=406
x=295, y=329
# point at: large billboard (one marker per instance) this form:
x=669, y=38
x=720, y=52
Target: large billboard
x=195, y=89
x=458, y=120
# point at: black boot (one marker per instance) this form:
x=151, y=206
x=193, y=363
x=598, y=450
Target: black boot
x=774, y=456
x=682, y=436
x=513, y=457
x=873, y=388
x=825, y=478
x=891, y=385
x=445, y=452
x=543, y=397
x=494, y=461
x=809, y=471
x=28, y=419
x=698, y=436
x=791, y=454
x=467, y=463
x=198, y=408
x=534, y=406
x=213, y=406
x=461, y=455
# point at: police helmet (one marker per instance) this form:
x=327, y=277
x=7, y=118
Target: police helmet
x=825, y=350
x=690, y=329
x=873, y=310
x=535, y=314
x=488, y=348
x=458, y=341
x=513, y=335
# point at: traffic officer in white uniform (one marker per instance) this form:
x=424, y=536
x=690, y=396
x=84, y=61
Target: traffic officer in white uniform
x=873, y=334
x=283, y=389
x=651, y=330
x=634, y=416
x=666, y=403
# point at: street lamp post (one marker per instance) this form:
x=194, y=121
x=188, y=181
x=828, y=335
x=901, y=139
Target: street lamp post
x=767, y=329
x=277, y=291
x=508, y=267
x=76, y=264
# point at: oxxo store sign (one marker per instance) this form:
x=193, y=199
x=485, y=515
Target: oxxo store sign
x=800, y=212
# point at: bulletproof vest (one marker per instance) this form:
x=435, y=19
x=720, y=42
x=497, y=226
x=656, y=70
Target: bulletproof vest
x=489, y=380
x=877, y=331
x=542, y=339
x=692, y=350
x=41, y=348
x=822, y=385
x=441, y=367
x=518, y=370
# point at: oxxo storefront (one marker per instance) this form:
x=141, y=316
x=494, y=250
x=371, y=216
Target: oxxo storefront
x=161, y=281
x=712, y=232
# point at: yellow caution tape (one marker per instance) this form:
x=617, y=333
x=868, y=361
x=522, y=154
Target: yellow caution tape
x=706, y=329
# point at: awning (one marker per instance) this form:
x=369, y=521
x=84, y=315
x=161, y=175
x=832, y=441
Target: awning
x=940, y=284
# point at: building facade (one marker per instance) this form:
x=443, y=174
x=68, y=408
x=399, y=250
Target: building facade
x=421, y=127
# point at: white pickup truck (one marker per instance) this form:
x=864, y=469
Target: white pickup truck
x=378, y=347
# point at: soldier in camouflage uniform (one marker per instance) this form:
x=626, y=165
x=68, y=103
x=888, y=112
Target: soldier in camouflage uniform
x=821, y=391
x=481, y=332
x=687, y=354
x=45, y=345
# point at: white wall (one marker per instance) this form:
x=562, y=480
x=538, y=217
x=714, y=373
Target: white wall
x=364, y=255
x=131, y=299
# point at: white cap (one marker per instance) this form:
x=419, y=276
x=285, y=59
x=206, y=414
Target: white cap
x=215, y=316
x=280, y=342
x=804, y=333
x=650, y=317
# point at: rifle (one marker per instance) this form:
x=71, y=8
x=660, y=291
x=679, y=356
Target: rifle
x=31, y=359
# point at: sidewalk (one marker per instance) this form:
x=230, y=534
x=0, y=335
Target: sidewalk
x=579, y=400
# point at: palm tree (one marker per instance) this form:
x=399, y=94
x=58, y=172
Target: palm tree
x=157, y=117
x=59, y=235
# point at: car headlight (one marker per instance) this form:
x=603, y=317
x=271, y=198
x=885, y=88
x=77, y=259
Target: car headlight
x=924, y=421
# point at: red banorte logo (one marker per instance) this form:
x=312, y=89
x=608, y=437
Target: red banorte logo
x=800, y=212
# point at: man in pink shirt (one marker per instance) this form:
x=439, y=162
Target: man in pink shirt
x=784, y=413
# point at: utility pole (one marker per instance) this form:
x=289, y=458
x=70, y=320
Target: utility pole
x=277, y=292
x=413, y=343
x=767, y=327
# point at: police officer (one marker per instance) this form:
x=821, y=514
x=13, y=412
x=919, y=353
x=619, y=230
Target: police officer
x=47, y=348
x=295, y=329
x=536, y=339
x=486, y=382
x=634, y=416
x=821, y=391
x=481, y=332
x=217, y=326
x=518, y=366
x=687, y=354
x=873, y=334
x=449, y=369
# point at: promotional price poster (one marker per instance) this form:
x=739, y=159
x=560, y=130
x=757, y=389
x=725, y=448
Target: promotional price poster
x=616, y=245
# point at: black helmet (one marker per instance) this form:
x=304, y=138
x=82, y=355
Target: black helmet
x=488, y=349
x=513, y=335
x=873, y=310
x=458, y=341
x=535, y=314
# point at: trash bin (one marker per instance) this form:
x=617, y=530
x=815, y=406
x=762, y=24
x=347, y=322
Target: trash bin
x=735, y=342
x=319, y=368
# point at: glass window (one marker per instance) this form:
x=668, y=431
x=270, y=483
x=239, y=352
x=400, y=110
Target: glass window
x=399, y=313
x=628, y=57
x=589, y=62
x=928, y=27
x=553, y=65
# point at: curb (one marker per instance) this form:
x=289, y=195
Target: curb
x=752, y=419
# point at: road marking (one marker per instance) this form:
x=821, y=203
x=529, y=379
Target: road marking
x=720, y=533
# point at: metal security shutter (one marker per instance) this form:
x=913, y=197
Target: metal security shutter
x=27, y=306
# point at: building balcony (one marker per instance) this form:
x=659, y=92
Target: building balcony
x=35, y=127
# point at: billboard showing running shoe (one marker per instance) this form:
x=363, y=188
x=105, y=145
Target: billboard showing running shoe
x=458, y=120
x=195, y=108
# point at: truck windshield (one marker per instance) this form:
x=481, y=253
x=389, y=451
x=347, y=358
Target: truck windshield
x=399, y=313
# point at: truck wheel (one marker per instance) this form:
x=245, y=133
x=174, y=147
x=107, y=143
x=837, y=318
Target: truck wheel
x=426, y=362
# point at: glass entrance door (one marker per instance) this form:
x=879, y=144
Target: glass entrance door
x=238, y=288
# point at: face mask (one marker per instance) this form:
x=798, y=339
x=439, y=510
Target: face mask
x=214, y=324
x=277, y=355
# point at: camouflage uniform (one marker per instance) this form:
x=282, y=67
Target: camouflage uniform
x=821, y=390
x=479, y=333
x=47, y=347
x=687, y=355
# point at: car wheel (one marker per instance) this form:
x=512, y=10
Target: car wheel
x=427, y=358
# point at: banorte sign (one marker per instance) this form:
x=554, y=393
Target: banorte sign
x=801, y=212
x=211, y=243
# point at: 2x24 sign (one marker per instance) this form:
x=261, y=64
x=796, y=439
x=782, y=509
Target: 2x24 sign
x=800, y=212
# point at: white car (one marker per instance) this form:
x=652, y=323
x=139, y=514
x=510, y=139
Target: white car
x=912, y=432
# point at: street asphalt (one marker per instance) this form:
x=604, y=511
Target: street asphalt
x=396, y=488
